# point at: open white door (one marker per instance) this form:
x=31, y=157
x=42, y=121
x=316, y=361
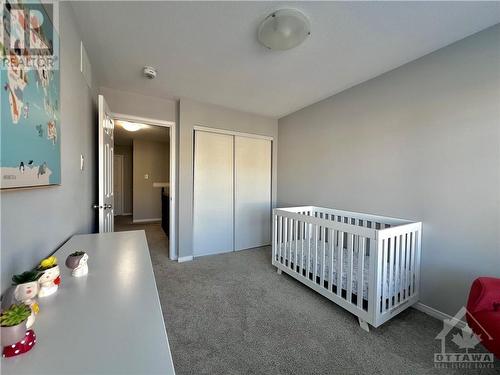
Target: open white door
x=105, y=150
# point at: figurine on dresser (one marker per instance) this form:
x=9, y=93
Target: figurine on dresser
x=77, y=261
x=15, y=336
x=23, y=290
x=50, y=279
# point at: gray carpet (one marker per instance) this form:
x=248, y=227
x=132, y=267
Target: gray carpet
x=233, y=314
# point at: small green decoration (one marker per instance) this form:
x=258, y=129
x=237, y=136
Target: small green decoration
x=26, y=277
x=15, y=315
x=77, y=253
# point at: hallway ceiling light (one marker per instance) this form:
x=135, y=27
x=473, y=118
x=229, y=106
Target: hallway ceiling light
x=131, y=126
x=284, y=29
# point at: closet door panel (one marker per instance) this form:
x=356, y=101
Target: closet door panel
x=213, y=194
x=252, y=192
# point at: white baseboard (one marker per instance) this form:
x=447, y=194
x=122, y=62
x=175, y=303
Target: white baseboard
x=137, y=221
x=438, y=314
x=185, y=259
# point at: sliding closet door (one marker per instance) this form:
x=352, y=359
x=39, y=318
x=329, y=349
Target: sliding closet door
x=213, y=193
x=252, y=224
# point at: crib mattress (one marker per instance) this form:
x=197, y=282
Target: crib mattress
x=390, y=291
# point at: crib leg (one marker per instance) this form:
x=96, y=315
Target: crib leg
x=278, y=270
x=363, y=324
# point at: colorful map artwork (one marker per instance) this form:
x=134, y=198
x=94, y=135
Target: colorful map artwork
x=30, y=128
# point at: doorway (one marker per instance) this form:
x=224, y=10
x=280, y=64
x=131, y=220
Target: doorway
x=144, y=179
x=143, y=194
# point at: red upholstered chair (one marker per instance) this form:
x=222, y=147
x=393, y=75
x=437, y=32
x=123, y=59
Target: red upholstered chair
x=483, y=309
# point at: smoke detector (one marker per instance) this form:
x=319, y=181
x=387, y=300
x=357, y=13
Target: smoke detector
x=149, y=72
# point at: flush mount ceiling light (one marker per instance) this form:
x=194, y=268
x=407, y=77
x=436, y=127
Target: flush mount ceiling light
x=131, y=126
x=284, y=29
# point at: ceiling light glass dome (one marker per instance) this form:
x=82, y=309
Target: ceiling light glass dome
x=284, y=29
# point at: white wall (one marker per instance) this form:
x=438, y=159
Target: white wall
x=420, y=142
x=192, y=114
x=139, y=105
x=153, y=159
x=36, y=222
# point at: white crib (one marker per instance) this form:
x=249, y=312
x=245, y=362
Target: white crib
x=369, y=265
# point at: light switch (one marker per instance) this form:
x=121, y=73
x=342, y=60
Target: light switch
x=146, y=176
x=82, y=162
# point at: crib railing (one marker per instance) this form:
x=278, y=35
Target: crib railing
x=399, y=263
x=308, y=240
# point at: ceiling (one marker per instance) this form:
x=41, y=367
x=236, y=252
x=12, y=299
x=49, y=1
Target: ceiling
x=149, y=133
x=208, y=51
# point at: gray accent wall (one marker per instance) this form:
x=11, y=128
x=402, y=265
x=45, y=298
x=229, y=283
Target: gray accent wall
x=193, y=113
x=153, y=159
x=126, y=152
x=35, y=222
x=420, y=142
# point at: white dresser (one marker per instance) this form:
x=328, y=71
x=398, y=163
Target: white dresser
x=108, y=322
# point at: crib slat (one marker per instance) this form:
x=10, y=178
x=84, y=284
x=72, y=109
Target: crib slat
x=323, y=255
x=302, y=234
x=418, y=245
x=309, y=226
x=290, y=242
x=385, y=265
x=332, y=253
x=340, y=260
x=292, y=236
x=316, y=230
x=273, y=255
x=409, y=269
x=280, y=236
x=412, y=274
x=404, y=273
x=287, y=243
x=361, y=266
x=391, y=269
x=397, y=270
x=350, y=252
x=296, y=243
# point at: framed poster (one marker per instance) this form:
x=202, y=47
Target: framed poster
x=30, y=128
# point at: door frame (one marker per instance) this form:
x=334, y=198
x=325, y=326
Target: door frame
x=121, y=183
x=173, y=254
x=231, y=132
